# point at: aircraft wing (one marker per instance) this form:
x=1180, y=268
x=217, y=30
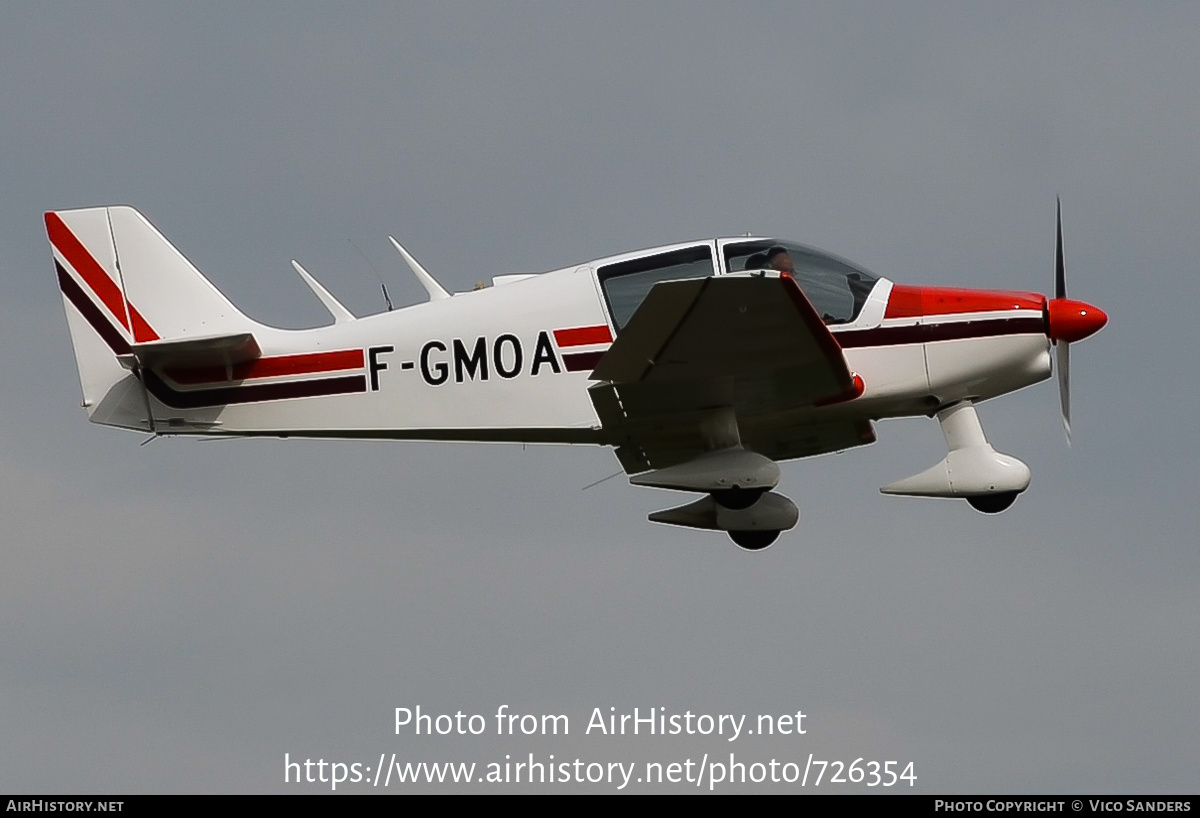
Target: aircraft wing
x=700, y=347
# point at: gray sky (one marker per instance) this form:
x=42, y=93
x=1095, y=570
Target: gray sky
x=177, y=617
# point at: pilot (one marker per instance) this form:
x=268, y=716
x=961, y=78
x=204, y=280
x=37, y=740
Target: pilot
x=756, y=262
x=778, y=259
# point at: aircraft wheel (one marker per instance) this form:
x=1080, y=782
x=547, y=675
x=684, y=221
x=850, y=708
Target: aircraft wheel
x=992, y=503
x=737, y=498
x=753, y=540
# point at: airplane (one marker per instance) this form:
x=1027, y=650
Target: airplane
x=703, y=364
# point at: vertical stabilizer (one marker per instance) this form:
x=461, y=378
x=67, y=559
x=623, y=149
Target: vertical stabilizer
x=176, y=300
x=124, y=285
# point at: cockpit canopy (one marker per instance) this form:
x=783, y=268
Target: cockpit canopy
x=836, y=288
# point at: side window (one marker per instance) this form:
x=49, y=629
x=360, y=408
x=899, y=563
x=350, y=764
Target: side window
x=627, y=283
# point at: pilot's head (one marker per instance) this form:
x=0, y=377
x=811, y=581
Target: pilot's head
x=778, y=259
x=756, y=262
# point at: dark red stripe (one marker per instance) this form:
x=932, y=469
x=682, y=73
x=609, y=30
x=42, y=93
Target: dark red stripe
x=581, y=336
x=91, y=313
x=257, y=393
x=581, y=361
x=96, y=277
x=926, y=333
x=305, y=364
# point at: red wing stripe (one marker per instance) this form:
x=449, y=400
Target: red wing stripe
x=855, y=391
x=306, y=364
x=95, y=277
x=582, y=336
x=829, y=346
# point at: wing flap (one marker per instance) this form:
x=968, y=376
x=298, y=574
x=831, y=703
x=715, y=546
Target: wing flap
x=662, y=441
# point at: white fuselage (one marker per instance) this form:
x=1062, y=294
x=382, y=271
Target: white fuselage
x=509, y=362
x=512, y=362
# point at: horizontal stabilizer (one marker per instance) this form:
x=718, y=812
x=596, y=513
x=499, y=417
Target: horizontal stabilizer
x=197, y=353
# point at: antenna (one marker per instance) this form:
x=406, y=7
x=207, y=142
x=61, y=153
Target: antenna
x=602, y=480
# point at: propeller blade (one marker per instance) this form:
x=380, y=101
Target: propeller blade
x=1062, y=352
x=1062, y=356
x=1060, y=267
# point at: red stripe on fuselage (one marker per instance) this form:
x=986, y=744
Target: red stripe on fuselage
x=582, y=336
x=96, y=277
x=304, y=364
x=915, y=302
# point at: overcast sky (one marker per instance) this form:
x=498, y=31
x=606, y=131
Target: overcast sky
x=177, y=617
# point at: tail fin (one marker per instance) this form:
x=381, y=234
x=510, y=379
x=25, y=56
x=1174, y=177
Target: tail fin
x=127, y=290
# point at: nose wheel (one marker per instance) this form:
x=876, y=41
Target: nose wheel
x=753, y=540
x=972, y=469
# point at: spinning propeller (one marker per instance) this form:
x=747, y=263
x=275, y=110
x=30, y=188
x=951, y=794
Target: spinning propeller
x=1067, y=321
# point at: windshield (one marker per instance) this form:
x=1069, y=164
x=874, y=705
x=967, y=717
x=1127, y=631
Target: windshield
x=836, y=288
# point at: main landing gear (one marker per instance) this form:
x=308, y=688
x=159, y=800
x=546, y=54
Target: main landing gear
x=992, y=503
x=738, y=498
